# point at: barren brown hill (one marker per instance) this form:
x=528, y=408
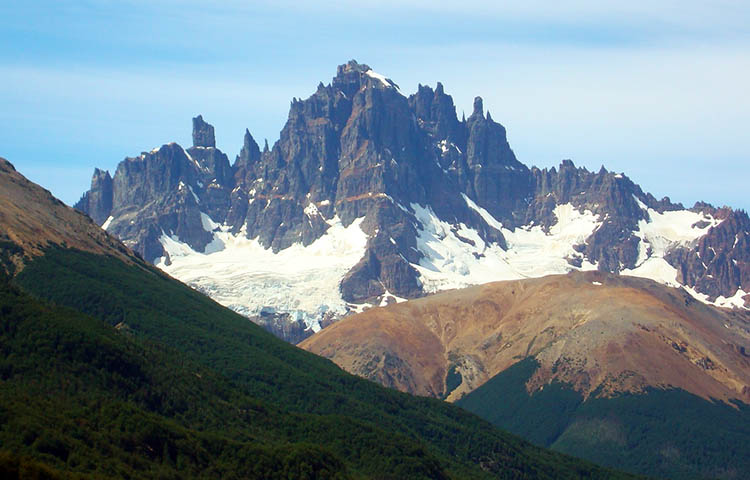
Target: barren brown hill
x=596, y=331
x=33, y=219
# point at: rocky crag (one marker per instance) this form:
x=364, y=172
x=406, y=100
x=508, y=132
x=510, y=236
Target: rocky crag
x=413, y=179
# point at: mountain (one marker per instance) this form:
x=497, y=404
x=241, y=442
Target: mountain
x=371, y=196
x=112, y=369
x=619, y=370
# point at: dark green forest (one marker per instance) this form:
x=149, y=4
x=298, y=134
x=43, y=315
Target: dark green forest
x=669, y=433
x=109, y=370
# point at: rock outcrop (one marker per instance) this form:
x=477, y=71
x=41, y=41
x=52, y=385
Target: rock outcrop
x=203, y=133
x=97, y=202
x=721, y=259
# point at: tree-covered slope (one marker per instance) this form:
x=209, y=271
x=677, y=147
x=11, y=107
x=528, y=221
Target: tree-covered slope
x=669, y=433
x=115, y=370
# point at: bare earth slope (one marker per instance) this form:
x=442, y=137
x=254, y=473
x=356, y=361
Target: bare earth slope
x=596, y=331
x=33, y=219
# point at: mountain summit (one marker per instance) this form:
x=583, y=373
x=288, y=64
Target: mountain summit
x=371, y=196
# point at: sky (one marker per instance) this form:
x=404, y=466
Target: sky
x=659, y=90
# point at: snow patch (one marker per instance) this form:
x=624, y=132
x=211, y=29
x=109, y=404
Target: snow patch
x=107, y=222
x=387, y=295
x=189, y=157
x=181, y=186
x=663, y=232
x=242, y=275
x=443, y=144
x=311, y=210
x=359, y=307
x=197, y=200
x=385, y=81
x=208, y=224
x=660, y=234
x=640, y=203
x=486, y=216
x=735, y=301
x=455, y=256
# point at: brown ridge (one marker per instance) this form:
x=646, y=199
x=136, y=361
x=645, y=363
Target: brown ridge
x=625, y=335
x=33, y=219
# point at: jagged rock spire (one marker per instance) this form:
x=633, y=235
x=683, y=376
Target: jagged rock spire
x=352, y=66
x=250, y=152
x=97, y=202
x=203, y=133
x=478, y=107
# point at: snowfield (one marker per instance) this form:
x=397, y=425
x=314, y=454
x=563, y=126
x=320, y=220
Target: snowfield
x=240, y=274
x=661, y=233
x=304, y=281
x=451, y=261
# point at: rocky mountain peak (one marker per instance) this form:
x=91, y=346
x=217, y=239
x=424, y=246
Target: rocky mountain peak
x=352, y=66
x=203, y=133
x=102, y=173
x=351, y=76
x=250, y=152
x=405, y=168
x=437, y=114
x=478, y=108
x=97, y=202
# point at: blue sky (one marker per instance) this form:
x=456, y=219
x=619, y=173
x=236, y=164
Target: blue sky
x=660, y=91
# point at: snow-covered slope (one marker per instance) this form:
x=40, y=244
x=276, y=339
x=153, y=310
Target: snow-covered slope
x=304, y=281
x=242, y=275
x=663, y=232
x=458, y=257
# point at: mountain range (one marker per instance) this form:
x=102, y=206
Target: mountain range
x=372, y=196
x=569, y=307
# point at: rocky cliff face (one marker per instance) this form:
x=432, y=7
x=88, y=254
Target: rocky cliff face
x=720, y=260
x=97, y=202
x=434, y=196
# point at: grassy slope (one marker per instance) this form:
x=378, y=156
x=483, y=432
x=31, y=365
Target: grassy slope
x=663, y=432
x=188, y=388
